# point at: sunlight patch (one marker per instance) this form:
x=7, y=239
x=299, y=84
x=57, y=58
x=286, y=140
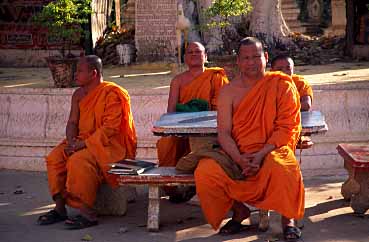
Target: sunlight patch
x=39, y=210
x=22, y=85
x=161, y=87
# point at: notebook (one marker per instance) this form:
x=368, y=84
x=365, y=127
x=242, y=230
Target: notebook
x=130, y=167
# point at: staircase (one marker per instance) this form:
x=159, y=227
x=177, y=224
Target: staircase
x=291, y=11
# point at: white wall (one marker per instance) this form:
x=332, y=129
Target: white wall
x=32, y=121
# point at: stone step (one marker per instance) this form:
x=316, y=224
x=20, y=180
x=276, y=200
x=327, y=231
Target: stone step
x=291, y=11
x=287, y=2
x=289, y=6
x=290, y=14
x=294, y=24
x=298, y=30
x=288, y=18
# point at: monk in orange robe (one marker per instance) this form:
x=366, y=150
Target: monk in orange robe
x=258, y=127
x=286, y=65
x=197, y=82
x=100, y=130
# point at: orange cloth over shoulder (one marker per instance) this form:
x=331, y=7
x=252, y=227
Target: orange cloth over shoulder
x=269, y=113
x=206, y=87
x=106, y=125
x=303, y=86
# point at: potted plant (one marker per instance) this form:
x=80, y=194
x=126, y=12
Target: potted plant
x=64, y=20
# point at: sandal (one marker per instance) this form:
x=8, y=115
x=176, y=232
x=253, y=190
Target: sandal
x=79, y=222
x=51, y=217
x=232, y=227
x=291, y=233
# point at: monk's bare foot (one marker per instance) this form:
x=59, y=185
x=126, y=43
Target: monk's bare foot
x=233, y=226
x=290, y=230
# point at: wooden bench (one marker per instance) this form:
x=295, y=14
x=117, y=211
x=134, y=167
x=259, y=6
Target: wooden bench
x=356, y=187
x=167, y=176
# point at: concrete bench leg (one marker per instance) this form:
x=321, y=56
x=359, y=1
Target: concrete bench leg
x=153, y=213
x=263, y=220
x=360, y=199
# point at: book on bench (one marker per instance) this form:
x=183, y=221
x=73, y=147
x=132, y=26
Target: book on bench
x=130, y=167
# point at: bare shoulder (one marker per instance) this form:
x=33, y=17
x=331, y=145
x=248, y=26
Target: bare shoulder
x=227, y=92
x=181, y=79
x=78, y=95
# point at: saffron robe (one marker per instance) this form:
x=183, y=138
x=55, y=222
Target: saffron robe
x=106, y=125
x=303, y=86
x=206, y=86
x=269, y=113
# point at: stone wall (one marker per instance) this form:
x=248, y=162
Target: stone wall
x=32, y=120
x=21, y=42
x=155, y=30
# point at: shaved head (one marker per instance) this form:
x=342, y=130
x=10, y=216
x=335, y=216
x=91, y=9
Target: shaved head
x=196, y=44
x=93, y=62
x=283, y=63
x=281, y=57
x=195, y=55
x=250, y=41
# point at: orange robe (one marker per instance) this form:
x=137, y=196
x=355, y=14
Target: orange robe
x=206, y=87
x=303, y=86
x=269, y=113
x=106, y=125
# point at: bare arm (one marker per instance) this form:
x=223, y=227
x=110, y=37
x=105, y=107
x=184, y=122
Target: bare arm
x=305, y=103
x=73, y=121
x=173, y=95
x=72, y=124
x=225, y=113
x=250, y=163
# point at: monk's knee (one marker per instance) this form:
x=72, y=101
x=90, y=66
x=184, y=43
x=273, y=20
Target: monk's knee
x=202, y=169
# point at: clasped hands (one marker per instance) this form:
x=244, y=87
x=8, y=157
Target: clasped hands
x=73, y=146
x=251, y=163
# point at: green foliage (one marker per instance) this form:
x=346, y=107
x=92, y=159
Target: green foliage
x=224, y=9
x=64, y=20
x=221, y=14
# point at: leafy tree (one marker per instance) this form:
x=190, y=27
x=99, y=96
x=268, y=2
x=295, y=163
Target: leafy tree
x=64, y=20
x=222, y=10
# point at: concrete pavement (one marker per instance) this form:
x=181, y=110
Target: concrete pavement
x=328, y=218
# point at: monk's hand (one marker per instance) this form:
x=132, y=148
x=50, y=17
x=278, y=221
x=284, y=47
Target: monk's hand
x=79, y=145
x=244, y=162
x=256, y=160
x=68, y=150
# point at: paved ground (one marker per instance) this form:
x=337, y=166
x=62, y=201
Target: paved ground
x=328, y=218
x=159, y=76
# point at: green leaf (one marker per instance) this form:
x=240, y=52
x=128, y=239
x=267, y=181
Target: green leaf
x=224, y=9
x=64, y=19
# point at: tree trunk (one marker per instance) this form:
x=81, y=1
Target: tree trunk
x=213, y=38
x=267, y=22
x=350, y=13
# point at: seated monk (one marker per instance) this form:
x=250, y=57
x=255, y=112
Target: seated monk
x=258, y=127
x=286, y=65
x=100, y=130
x=196, y=83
